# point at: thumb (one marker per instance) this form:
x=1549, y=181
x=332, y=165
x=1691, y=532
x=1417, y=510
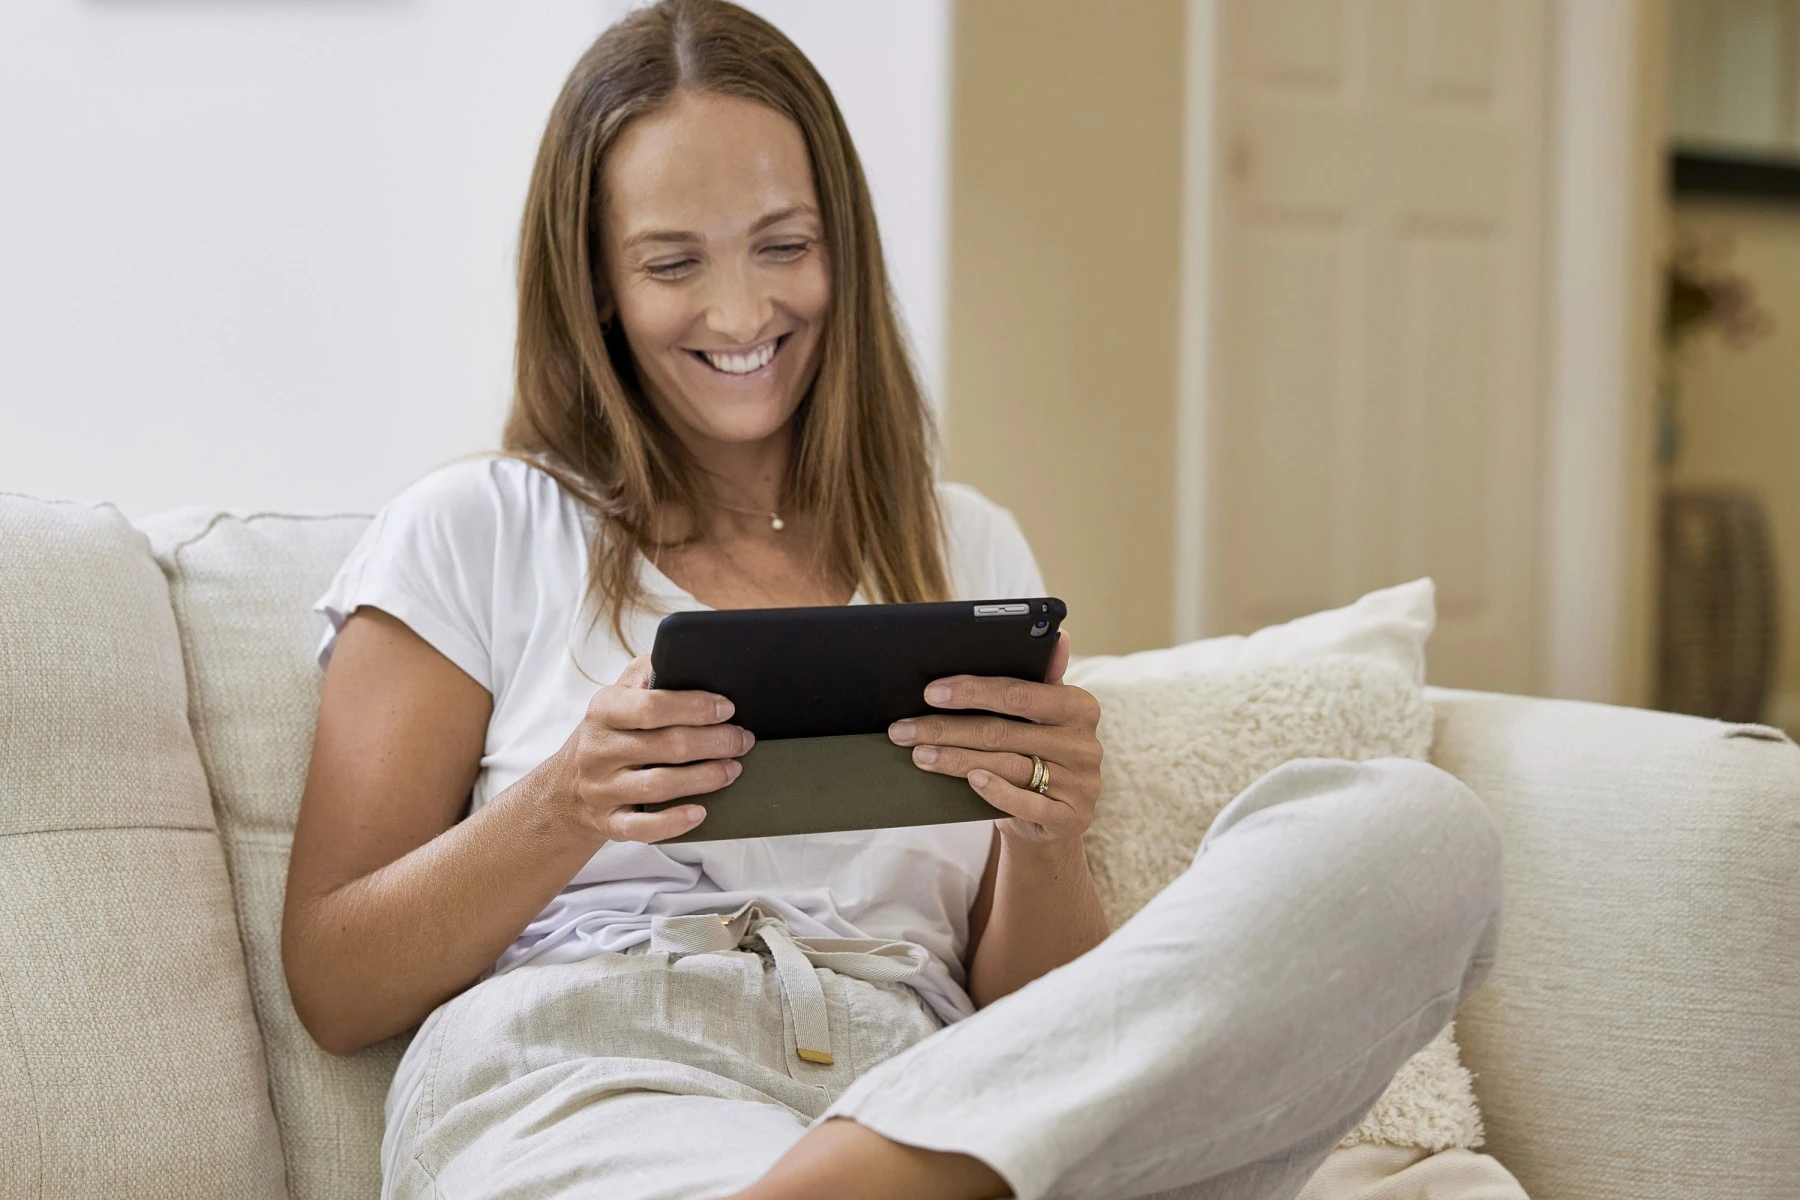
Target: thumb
x=1059, y=658
x=636, y=673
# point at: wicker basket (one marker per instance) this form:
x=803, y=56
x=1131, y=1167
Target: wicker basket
x=1718, y=614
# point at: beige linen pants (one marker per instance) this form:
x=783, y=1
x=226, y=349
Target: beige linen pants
x=1215, y=1047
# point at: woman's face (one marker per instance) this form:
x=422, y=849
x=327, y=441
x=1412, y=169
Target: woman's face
x=716, y=264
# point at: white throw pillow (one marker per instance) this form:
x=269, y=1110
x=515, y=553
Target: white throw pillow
x=1188, y=728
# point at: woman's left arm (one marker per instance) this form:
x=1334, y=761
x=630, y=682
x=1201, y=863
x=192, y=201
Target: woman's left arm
x=1037, y=908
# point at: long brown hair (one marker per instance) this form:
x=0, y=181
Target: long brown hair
x=863, y=436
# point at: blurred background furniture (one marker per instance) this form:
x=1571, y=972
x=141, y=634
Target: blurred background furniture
x=1717, y=630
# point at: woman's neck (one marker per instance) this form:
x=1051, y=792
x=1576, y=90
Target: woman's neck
x=743, y=475
x=742, y=559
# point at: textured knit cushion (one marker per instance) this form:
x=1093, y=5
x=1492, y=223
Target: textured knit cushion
x=1188, y=728
x=129, y=1061
x=1640, y=1034
x=241, y=588
x=1388, y=626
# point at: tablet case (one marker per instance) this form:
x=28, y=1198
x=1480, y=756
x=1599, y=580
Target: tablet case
x=827, y=784
x=819, y=687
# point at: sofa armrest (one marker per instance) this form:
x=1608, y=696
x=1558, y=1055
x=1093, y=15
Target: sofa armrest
x=1640, y=1036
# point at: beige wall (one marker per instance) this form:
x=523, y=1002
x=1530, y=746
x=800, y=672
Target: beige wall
x=1064, y=281
x=1741, y=408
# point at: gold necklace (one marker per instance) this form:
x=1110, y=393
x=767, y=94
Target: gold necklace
x=775, y=521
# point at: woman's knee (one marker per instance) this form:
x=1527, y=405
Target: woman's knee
x=1416, y=802
x=1384, y=818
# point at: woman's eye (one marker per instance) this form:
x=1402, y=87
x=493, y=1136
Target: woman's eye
x=788, y=251
x=669, y=270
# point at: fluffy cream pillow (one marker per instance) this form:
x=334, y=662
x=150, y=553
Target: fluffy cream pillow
x=1389, y=626
x=1188, y=728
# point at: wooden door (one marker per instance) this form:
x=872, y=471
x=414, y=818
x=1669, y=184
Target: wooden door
x=1377, y=298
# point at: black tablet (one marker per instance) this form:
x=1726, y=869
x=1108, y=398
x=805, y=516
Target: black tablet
x=819, y=688
x=854, y=668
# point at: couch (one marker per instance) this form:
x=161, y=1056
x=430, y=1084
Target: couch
x=1639, y=1040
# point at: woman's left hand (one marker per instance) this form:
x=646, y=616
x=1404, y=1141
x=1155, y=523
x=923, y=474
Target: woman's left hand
x=994, y=754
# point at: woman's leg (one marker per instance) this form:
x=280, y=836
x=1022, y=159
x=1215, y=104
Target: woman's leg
x=840, y=1159
x=1220, y=1042
x=638, y=1145
x=631, y=1076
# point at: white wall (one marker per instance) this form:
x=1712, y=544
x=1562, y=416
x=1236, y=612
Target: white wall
x=260, y=255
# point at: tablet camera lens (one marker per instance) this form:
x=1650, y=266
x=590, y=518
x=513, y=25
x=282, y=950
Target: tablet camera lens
x=1040, y=629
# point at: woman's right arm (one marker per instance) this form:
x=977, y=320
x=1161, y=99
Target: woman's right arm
x=393, y=904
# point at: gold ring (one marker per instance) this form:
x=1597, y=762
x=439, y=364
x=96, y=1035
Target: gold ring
x=1040, y=776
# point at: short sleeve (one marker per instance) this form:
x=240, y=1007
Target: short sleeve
x=428, y=559
x=990, y=558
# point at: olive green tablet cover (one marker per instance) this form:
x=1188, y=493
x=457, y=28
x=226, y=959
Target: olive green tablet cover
x=829, y=784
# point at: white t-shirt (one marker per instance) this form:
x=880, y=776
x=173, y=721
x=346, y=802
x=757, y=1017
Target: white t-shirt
x=487, y=560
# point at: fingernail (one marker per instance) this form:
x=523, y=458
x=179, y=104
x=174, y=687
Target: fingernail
x=903, y=733
x=749, y=740
x=937, y=693
x=693, y=813
x=733, y=768
x=978, y=778
x=722, y=708
x=925, y=755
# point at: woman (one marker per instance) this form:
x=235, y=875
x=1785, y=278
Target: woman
x=715, y=409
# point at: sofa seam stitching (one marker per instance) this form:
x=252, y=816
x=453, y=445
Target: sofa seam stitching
x=218, y=518
x=140, y=828
x=63, y=500
x=260, y=837
x=37, y=1117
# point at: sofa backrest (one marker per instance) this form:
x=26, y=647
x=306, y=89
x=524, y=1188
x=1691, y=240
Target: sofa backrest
x=241, y=587
x=129, y=1058
x=1640, y=1034
x=1639, y=1037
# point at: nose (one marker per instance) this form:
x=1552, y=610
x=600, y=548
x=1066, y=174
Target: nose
x=739, y=307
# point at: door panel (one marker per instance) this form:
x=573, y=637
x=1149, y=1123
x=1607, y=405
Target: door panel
x=1376, y=396
x=1451, y=51
x=1448, y=360
x=1300, y=43
x=1286, y=327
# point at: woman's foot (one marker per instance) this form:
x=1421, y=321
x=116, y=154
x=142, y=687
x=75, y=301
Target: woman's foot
x=841, y=1160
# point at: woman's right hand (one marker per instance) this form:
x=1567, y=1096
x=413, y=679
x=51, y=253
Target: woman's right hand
x=640, y=745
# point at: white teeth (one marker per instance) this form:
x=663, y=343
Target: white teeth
x=742, y=364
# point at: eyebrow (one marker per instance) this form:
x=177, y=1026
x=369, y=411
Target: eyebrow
x=683, y=238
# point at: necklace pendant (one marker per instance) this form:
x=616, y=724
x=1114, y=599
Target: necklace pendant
x=776, y=523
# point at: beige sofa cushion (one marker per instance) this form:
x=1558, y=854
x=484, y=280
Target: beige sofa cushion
x=241, y=589
x=128, y=1051
x=1640, y=1035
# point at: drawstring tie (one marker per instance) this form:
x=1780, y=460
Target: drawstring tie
x=876, y=960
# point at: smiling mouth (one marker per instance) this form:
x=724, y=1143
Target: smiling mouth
x=741, y=362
